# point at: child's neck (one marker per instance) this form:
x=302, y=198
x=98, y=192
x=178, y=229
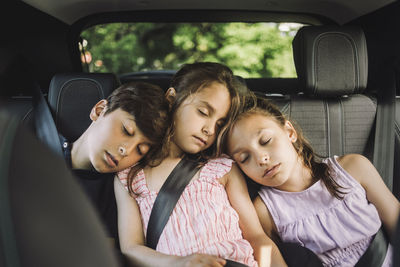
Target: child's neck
x=174, y=151
x=156, y=176
x=79, y=159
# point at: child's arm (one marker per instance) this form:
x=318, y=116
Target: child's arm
x=265, y=251
x=132, y=238
x=265, y=218
x=377, y=192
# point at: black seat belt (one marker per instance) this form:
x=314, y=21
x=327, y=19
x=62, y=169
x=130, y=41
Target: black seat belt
x=166, y=201
x=167, y=198
x=375, y=254
x=46, y=129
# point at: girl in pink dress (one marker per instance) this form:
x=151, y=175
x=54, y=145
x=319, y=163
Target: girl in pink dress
x=214, y=218
x=334, y=207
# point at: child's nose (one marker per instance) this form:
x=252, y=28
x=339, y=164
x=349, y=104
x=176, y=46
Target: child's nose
x=122, y=151
x=263, y=158
x=208, y=129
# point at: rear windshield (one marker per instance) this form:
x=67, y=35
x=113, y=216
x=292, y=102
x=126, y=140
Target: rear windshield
x=251, y=50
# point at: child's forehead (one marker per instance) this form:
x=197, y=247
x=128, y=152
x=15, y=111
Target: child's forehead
x=257, y=115
x=257, y=121
x=122, y=114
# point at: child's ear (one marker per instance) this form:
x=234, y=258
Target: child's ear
x=170, y=95
x=98, y=109
x=292, y=134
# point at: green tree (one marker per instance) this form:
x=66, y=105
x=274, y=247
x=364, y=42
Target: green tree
x=250, y=49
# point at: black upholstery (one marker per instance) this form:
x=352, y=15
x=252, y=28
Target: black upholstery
x=72, y=96
x=331, y=63
x=46, y=218
x=396, y=172
x=20, y=107
x=330, y=60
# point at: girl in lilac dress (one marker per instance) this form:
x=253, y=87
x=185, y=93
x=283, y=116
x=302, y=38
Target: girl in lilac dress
x=333, y=206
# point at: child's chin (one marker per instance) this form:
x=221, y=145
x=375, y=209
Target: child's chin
x=193, y=149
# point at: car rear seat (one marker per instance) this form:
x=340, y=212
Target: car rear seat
x=46, y=219
x=331, y=64
x=332, y=68
x=334, y=114
x=72, y=96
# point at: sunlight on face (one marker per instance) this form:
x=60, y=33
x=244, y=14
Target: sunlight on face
x=199, y=117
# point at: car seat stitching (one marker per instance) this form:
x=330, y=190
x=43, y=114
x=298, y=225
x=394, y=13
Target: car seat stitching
x=328, y=127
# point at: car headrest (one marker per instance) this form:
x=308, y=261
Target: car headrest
x=72, y=96
x=331, y=60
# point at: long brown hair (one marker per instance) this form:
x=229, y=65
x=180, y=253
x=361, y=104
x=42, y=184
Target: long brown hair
x=190, y=79
x=311, y=160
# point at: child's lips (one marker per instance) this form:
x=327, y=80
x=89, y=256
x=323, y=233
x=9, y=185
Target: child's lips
x=202, y=141
x=111, y=160
x=271, y=171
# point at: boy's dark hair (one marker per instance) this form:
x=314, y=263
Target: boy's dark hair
x=146, y=103
x=319, y=170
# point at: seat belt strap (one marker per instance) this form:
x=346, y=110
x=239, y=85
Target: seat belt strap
x=46, y=129
x=8, y=242
x=376, y=252
x=167, y=198
x=383, y=157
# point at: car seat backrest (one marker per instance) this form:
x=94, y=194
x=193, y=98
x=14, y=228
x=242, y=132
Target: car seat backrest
x=47, y=220
x=72, y=96
x=396, y=172
x=331, y=64
x=20, y=107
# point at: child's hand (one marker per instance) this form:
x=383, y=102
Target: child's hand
x=198, y=260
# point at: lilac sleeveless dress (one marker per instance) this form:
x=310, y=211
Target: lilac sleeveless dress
x=338, y=231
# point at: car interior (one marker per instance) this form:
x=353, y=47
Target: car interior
x=346, y=98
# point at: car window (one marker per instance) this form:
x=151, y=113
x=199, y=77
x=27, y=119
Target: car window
x=251, y=50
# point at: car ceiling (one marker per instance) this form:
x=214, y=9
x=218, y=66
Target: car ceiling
x=339, y=11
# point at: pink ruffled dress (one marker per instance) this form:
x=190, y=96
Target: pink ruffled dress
x=203, y=220
x=338, y=231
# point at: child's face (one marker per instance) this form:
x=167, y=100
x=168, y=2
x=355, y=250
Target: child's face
x=115, y=142
x=263, y=149
x=199, y=117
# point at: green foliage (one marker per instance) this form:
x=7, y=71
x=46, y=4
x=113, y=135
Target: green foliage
x=249, y=49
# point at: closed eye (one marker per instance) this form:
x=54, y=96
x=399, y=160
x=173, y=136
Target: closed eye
x=203, y=112
x=142, y=149
x=264, y=142
x=139, y=151
x=126, y=131
x=220, y=124
x=244, y=159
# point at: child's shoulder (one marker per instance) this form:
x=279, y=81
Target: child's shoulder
x=217, y=167
x=354, y=164
x=222, y=160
